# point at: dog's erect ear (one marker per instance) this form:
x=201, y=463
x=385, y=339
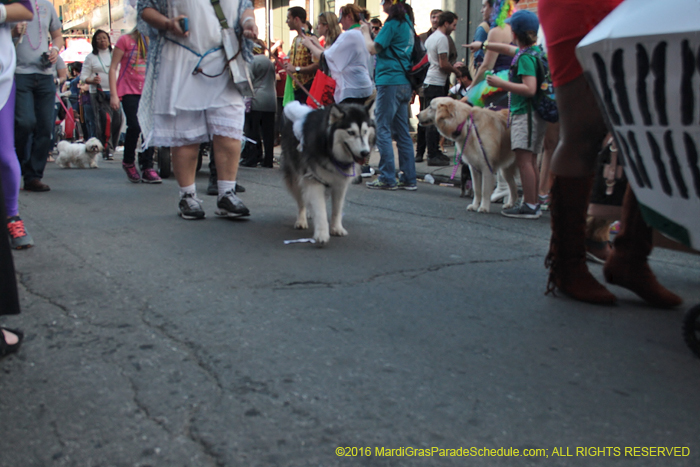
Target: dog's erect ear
x=369, y=107
x=336, y=115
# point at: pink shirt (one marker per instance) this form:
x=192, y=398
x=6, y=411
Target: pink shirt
x=132, y=67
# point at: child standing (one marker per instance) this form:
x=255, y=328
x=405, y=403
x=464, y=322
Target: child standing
x=527, y=127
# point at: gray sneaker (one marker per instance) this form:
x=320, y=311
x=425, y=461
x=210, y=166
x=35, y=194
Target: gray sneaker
x=19, y=237
x=522, y=211
x=406, y=186
x=191, y=207
x=230, y=205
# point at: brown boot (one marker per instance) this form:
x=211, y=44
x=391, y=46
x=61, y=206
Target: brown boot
x=627, y=265
x=566, y=259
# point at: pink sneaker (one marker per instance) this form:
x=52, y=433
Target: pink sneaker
x=131, y=173
x=151, y=176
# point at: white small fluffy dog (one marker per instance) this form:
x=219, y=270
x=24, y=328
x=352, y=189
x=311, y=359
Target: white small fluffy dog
x=79, y=155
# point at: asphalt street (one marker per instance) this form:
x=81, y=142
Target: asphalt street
x=153, y=341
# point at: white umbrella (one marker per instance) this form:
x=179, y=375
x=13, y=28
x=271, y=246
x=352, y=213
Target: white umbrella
x=643, y=61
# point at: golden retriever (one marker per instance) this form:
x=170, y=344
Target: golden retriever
x=455, y=120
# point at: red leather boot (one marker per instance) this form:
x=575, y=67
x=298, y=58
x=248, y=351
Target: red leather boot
x=627, y=266
x=566, y=259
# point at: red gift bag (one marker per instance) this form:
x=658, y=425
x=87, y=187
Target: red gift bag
x=322, y=90
x=69, y=124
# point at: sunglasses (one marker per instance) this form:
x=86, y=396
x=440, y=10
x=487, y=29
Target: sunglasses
x=376, y=28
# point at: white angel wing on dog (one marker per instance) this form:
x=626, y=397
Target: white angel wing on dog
x=297, y=112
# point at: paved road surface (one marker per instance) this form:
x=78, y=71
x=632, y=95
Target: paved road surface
x=152, y=341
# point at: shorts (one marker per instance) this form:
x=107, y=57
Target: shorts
x=188, y=127
x=519, y=133
x=562, y=33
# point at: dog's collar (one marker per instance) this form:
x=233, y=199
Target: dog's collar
x=458, y=131
x=344, y=167
x=460, y=127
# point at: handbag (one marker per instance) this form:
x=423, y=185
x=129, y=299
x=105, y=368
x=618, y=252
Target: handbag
x=322, y=91
x=100, y=96
x=419, y=66
x=233, y=48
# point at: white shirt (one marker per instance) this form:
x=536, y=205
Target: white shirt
x=435, y=45
x=97, y=64
x=349, y=63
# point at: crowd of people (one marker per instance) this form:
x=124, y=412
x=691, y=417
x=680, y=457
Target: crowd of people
x=167, y=78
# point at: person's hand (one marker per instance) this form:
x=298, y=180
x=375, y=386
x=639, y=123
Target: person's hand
x=365, y=27
x=290, y=69
x=114, y=102
x=495, y=81
x=173, y=25
x=53, y=55
x=96, y=80
x=473, y=46
x=307, y=41
x=250, y=29
x=19, y=29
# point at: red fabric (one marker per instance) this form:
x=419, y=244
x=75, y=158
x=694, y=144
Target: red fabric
x=70, y=124
x=565, y=23
x=108, y=126
x=322, y=89
x=279, y=69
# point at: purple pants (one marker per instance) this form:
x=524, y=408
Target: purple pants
x=10, y=170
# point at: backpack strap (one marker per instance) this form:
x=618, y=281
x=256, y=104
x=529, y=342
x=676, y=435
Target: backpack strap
x=390, y=49
x=219, y=13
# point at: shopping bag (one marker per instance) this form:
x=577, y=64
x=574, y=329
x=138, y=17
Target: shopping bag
x=322, y=90
x=70, y=124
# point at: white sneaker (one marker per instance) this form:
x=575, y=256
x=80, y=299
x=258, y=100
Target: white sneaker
x=499, y=194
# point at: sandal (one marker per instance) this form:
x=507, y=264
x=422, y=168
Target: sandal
x=5, y=348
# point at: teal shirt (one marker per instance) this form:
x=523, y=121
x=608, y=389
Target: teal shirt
x=399, y=36
x=527, y=66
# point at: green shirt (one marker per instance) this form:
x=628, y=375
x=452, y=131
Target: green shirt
x=526, y=66
x=397, y=35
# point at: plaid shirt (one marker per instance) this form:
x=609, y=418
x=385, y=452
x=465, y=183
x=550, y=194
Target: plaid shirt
x=300, y=56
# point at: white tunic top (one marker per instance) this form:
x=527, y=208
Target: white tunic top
x=177, y=88
x=7, y=63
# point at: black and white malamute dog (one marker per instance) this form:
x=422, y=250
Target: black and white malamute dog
x=334, y=141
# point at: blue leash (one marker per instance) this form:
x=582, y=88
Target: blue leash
x=197, y=70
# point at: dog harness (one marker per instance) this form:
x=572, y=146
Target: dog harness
x=458, y=131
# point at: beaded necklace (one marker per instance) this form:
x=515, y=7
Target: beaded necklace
x=36, y=10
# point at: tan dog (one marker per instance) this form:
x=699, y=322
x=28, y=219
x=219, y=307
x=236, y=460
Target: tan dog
x=455, y=120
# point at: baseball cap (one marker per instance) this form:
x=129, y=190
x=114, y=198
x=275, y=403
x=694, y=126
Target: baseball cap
x=522, y=21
